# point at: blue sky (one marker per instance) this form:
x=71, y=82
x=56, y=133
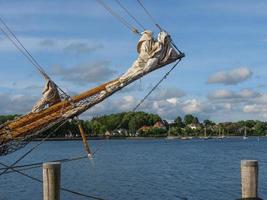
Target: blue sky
x=80, y=45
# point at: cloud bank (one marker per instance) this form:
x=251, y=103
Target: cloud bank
x=231, y=77
x=85, y=73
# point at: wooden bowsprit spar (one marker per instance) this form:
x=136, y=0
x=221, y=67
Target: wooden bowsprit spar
x=15, y=134
x=34, y=123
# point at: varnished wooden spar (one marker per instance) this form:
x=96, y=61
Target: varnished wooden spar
x=26, y=119
x=33, y=122
x=38, y=122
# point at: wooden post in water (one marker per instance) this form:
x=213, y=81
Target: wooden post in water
x=249, y=179
x=51, y=180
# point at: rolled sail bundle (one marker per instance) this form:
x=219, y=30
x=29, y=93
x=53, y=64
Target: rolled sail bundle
x=152, y=54
x=50, y=96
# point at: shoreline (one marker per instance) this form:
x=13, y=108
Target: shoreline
x=144, y=138
x=102, y=138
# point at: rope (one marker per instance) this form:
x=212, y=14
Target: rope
x=118, y=17
x=26, y=53
x=156, y=24
x=39, y=164
x=33, y=148
x=61, y=188
x=36, y=64
x=155, y=87
x=129, y=13
x=149, y=15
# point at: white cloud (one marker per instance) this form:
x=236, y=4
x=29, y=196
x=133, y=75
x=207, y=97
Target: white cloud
x=85, y=73
x=254, y=108
x=80, y=48
x=192, y=106
x=68, y=45
x=231, y=77
x=225, y=95
x=167, y=93
x=173, y=100
x=221, y=94
x=16, y=104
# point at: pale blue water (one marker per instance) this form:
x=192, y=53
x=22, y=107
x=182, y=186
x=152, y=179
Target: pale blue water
x=144, y=169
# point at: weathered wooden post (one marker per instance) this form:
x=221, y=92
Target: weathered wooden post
x=51, y=180
x=249, y=179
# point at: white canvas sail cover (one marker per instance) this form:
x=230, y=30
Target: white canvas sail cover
x=50, y=96
x=151, y=53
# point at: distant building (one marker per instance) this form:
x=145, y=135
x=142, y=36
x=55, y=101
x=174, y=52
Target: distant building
x=159, y=124
x=193, y=126
x=69, y=135
x=107, y=133
x=120, y=132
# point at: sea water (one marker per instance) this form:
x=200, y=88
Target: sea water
x=155, y=169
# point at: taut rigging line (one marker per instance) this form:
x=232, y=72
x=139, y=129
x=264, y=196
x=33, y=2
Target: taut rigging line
x=155, y=23
x=61, y=188
x=118, y=17
x=17, y=43
x=129, y=13
x=155, y=86
x=149, y=15
x=124, y=22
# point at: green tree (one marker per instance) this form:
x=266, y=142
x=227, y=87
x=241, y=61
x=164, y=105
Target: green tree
x=207, y=122
x=189, y=119
x=179, y=122
x=260, y=128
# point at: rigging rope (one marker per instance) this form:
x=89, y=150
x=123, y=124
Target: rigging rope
x=39, y=164
x=61, y=188
x=33, y=148
x=149, y=15
x=35, y=63
x=118, y=17
x=129, y=13
x=26, y=53
x=155, y=87
x=155, y=23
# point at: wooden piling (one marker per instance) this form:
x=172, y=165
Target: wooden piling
x=51, y=180
x=249, y=179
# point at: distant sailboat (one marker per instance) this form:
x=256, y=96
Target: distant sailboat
x=186, y=138
x=245, y=134
x=205, y=134
x=221, y=135
x=169, y=136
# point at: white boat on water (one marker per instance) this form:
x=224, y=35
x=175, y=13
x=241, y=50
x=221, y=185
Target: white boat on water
x=245, y=134
x=221, y=134
x=172, y=137
x=186, y=138
x=205, y=135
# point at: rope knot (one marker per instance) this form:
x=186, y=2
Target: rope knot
x=134, y=30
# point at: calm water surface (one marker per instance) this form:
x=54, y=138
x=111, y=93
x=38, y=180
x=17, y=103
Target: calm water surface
x=144, y=169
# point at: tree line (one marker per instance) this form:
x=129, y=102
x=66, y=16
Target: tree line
x=143, y=124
